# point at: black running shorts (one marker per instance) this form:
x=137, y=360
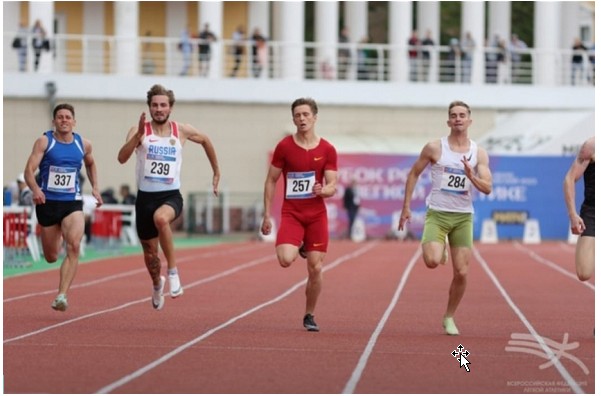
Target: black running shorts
x=53, y=212
x=147, y=203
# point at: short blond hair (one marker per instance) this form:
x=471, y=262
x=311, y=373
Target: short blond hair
x=459, y=103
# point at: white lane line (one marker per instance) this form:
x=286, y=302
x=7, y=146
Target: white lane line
x=552, y=265
x=199, y=282
x=152, y=365
x=560, y=368
x=356, y=376
x=123, y=274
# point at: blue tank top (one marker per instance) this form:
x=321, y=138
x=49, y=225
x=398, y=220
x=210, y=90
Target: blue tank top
x=60, y=168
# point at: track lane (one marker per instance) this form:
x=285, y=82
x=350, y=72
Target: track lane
x=414, y=334
x=268, y=351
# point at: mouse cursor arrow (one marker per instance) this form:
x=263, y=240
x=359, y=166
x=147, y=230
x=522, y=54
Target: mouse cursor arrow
x=464, y=362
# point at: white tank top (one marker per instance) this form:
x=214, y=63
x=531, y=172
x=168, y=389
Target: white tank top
x=451, y=189
x=159, y=161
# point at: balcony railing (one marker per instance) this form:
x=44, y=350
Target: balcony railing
x=371, y=62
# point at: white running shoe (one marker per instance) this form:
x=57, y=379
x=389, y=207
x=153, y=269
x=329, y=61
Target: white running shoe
x=175, y=286
x=157, y=296
x=60, y=303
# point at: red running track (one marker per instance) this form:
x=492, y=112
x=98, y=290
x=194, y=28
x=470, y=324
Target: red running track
x=526, y=321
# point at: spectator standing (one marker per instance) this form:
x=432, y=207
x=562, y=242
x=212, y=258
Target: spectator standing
x=108, y=196
x=204, y=50
x=237, y=49
x=344, y=54
x=351, y=203
x=502, y=66
x=20, y=45
x=591, y=59
x=414, y=45
x=259, y=52
x=453, y=64
x=468, y=45
x=427, y=44
x=578, y=54
x=25, y=193
x=39, y=42
x=516, y=47
x=127, y=198
x=363, y=67
x=185, y=46
x=148, y=65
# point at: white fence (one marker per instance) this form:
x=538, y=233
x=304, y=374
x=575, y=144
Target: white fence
x=81, y=54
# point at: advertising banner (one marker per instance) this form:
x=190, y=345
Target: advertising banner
x=523, y=188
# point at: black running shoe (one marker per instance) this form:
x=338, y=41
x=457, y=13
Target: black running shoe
x=309, y=323
x=301, y=250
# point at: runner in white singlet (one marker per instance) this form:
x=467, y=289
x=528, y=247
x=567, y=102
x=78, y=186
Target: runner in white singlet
x=457, y=166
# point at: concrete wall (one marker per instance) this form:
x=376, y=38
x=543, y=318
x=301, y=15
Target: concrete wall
x=243, y=134
x=246, y=118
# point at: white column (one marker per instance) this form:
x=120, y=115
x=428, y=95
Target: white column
x=176, y=20
x=211, y=12
x=400, y=16
x=93, y=24
x=569, y=23
x=472, y=20
x=291, y=21
x=258, y=18
x=326, y=36
x=499, y=20
x=547, y=18
x=355, y=19
x=11, y=18
x=428, y=18
x=127, y=51
x=44, y=11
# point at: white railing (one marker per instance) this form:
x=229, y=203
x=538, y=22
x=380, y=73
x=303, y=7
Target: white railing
x=161, y=56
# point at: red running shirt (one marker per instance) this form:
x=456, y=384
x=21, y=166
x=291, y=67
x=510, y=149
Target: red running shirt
x=301, y=169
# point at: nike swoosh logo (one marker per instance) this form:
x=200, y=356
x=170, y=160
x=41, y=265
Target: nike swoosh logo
x=154, y=140
x=317, y=244
x=317, y=158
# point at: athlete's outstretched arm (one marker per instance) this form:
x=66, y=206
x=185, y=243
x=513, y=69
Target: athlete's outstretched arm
x=270, y=182
x=33, y=163
x=482, y=178
x=90, y=164
x=194, y=135
x=329, y=189
x=583, y=159
x=425, y=157
x=133, y=140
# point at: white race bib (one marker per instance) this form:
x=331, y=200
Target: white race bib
x=61, y=180
x=455, y=181
x=160, y=169
x=299, y=185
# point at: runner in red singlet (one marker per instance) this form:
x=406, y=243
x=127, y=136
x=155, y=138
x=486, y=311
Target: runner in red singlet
x=309, y=166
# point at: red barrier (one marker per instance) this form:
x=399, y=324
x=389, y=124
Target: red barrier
x=15, y=230
x=106, y=224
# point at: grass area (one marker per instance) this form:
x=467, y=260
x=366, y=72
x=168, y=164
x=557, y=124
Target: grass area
x=94, y=253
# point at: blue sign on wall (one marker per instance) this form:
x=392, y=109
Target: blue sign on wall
x=527, y=187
